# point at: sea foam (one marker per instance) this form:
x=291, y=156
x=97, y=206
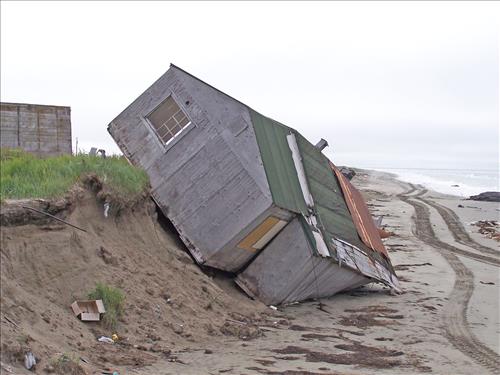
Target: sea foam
x=462, y=183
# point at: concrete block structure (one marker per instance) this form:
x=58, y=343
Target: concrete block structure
x=44, y=130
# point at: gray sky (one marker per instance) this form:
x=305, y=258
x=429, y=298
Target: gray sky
x=387, y=84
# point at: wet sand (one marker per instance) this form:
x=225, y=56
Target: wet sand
x=445, y=322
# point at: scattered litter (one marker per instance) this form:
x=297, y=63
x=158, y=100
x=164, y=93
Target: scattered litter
x=88, y=311
x=460, y=206
x=115, y=337
x=384, y=234
x=29, y=360
x=106, y=209
x=273, y=307
x=106, y=339
x=95, y=152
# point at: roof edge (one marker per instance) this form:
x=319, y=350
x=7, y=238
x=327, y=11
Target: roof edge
x=36, y=105
x=205, y=83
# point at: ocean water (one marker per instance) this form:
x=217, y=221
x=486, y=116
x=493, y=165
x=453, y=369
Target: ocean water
x=470, y=182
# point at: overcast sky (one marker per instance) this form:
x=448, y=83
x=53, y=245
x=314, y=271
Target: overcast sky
x=409, y=84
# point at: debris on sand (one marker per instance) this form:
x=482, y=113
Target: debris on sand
x=88, y=310
x=488, y=228
x=29, y=360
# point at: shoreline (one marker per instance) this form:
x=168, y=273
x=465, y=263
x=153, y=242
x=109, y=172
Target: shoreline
x=454, y=185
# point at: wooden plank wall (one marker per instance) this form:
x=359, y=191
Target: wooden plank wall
x=39, y=129
x=210, y=183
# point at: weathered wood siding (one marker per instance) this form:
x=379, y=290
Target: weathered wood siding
x=287, y=271
x=43, y=130
x=210, y=183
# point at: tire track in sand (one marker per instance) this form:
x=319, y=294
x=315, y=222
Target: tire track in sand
x=457, y=328
x=491, y=260
x=457, y=229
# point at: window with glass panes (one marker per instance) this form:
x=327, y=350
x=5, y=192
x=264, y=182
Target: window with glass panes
x=168, y=120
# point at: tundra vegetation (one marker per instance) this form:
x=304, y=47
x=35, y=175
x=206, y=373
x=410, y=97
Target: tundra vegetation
x=113, y=300
x=26, y=176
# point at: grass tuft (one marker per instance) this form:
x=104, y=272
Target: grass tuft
x=23, y=175
x=113, y=300
x=67, y=364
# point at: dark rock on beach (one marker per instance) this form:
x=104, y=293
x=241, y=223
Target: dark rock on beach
x=488, y=196
x=348, y=172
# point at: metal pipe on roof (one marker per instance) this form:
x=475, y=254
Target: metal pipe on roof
x=321, y=144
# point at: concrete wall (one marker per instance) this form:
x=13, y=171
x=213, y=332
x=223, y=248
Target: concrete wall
x=44, y=130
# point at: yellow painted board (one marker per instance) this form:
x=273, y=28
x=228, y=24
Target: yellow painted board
x=254, y=236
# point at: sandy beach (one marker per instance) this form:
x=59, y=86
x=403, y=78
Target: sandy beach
x=180, y=320
x=445, y=322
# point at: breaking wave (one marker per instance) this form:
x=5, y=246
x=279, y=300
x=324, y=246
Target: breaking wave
x=462, y=183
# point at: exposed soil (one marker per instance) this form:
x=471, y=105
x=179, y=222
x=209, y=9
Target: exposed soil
x=170, y=302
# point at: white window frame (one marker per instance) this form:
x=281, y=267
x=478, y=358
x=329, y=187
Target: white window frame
x=177, y=136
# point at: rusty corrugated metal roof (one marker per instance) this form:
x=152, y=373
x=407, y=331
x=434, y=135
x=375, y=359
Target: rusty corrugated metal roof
x=360, y=215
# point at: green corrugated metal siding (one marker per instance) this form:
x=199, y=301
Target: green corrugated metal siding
x=278, y=163
x=333, y=213
x=331, y=209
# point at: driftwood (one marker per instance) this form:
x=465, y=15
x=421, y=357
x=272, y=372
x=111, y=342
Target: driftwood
x=54, y=217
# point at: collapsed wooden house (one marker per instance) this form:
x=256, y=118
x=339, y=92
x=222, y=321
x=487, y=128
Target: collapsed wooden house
x=250, y=195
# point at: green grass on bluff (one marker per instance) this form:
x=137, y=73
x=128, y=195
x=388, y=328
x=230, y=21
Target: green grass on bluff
x=23, y=175
x=113, y=300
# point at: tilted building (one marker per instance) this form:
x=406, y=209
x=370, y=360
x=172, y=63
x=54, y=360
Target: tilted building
x=250, y=195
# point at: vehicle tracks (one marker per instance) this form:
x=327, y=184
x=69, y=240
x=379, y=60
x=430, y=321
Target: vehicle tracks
x=457, y=229
x=457, y=328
